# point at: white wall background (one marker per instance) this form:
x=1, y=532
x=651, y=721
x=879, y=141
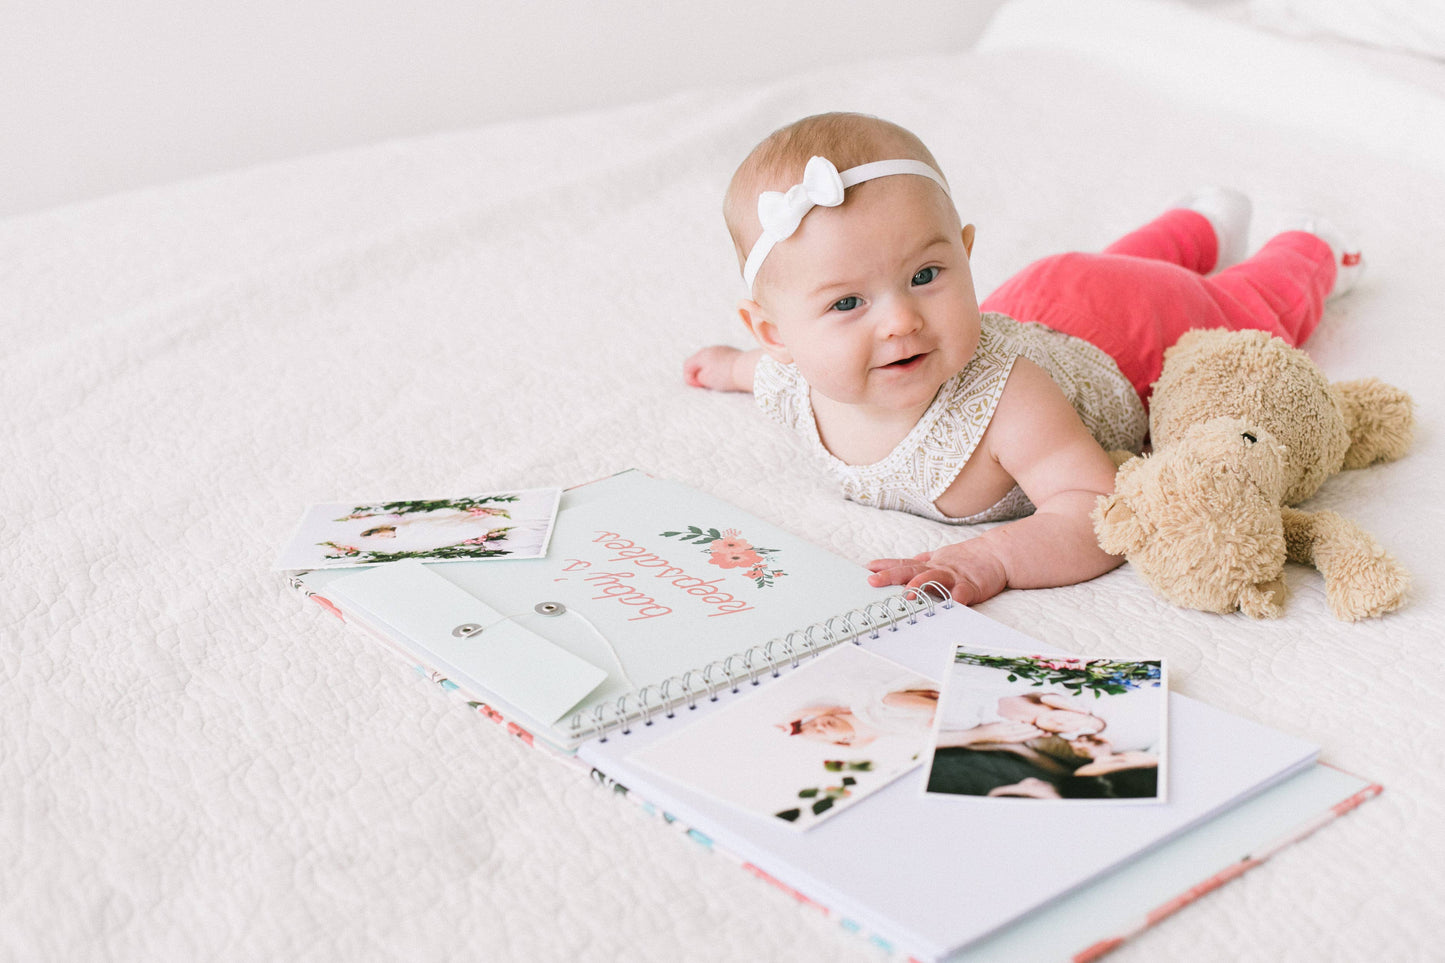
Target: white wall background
x=98, y=96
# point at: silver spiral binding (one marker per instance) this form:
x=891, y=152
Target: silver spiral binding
x=869, y=625
x=810, y=643
x=927, y=590
x=753, y=671
x=727, y=667
x=643, y=707
x=788, y=640
x=852, y=630
x=768, y=654
x=599, y=721
x=624, y=715
x=687, y=690
x=847, y=627
x=707, y=680
x=880, y=615
x=751, y=663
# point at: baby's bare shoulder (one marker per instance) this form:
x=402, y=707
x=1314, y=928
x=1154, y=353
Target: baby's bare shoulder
x=1033, y=420
x=1030, y=400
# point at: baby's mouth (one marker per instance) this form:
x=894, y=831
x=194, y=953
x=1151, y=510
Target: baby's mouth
x=905, y=362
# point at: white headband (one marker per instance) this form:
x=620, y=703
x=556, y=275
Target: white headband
x=780, y=213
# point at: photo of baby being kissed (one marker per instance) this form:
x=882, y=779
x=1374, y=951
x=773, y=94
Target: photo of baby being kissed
x=873, y=346
x=1012, y=724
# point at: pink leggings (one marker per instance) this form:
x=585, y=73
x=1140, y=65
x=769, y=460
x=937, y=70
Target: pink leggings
x=1148, y=288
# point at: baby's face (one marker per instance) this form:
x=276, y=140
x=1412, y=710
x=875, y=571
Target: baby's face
x=1067, y=720
x=831, y=727
x=873, y=300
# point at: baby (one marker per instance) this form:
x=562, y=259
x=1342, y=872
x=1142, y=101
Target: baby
x=874, y=347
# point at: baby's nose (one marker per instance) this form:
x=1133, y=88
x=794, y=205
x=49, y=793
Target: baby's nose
x=902, y=317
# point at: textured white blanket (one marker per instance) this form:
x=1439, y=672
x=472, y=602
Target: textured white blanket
x=196, y=766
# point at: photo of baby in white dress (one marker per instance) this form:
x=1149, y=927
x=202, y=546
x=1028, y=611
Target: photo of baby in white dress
x=494, y=525
x=1015, y=725
x=810, y=744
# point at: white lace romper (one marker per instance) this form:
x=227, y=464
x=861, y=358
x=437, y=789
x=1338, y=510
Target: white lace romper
x=913, y=476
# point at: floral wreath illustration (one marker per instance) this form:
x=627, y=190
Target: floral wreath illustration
x=728, y=549
x=1101, y=676
x=820, y=799
x=480, y=546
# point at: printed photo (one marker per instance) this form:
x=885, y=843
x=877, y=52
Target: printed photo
x=497, y=525
x=809, y=744
x=1017, y=726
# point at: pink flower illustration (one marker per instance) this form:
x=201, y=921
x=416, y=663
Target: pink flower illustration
x=726, y=548
x=735, y=559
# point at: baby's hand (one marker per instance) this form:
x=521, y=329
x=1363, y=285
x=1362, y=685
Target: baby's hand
x=969, y=573
x=718, y=367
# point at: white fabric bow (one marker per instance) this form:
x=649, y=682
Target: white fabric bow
x=780, y=213
x=823, y=186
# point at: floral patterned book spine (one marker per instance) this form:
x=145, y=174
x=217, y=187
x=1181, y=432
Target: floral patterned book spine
x=1233, y=871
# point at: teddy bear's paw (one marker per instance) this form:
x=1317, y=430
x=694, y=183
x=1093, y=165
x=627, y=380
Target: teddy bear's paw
x=1365, y=582
x=1264, y=600
x=1118, y=456
x=1380, y=419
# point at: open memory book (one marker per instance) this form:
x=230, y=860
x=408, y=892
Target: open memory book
x=666, y=634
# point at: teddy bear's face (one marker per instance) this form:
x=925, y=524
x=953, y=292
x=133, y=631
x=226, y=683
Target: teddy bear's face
x=1200, y=521
x=1251, y=375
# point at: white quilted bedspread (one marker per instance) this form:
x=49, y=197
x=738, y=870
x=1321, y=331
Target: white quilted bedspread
x=195, y=765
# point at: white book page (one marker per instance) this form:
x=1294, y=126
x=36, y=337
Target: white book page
x=936, y=873
x=810, y=745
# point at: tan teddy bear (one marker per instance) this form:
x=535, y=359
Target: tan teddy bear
x=1244, y=426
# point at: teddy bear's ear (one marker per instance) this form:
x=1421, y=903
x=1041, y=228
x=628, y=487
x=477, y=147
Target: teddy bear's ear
x=1380, y=419
x=1119, y=530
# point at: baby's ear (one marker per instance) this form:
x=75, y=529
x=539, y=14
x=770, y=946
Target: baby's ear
x=764, y=331
x=968, y=233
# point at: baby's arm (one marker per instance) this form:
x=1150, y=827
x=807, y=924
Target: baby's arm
x=1036, y=437
x=722, y=368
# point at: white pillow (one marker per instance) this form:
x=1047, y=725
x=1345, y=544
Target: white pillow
x=1414, y=25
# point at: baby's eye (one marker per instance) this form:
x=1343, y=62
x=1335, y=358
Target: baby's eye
x=925, y=276
x=846, y=304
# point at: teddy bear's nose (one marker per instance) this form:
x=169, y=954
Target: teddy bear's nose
x=1249, y=437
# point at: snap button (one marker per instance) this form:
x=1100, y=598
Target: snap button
x=549, y=608
x=466, y=630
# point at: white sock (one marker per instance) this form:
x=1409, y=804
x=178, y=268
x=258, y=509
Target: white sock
x=1228, y=212
x=1349, y=264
